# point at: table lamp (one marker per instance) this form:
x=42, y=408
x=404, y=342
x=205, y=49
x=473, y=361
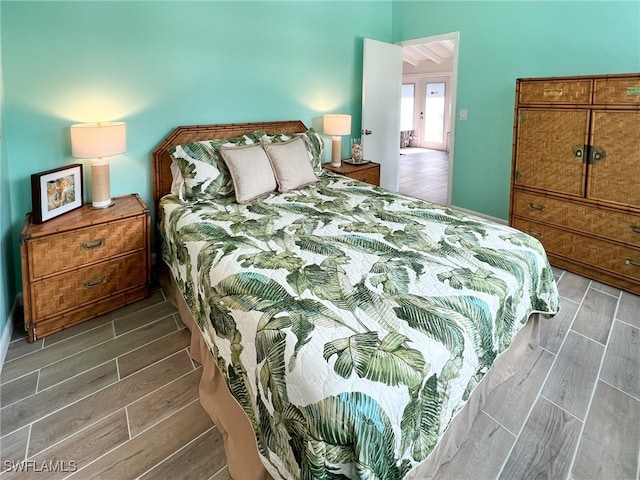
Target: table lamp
x=98, y=141
x=337, y=125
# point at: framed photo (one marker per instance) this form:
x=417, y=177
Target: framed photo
x=55, y=192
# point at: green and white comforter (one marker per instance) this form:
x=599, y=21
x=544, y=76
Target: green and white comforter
x=351, y=323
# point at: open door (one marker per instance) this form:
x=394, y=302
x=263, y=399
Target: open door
x=381, y=95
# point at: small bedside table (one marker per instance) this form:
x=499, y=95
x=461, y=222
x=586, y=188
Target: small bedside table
x=83, y=264
x=366, y=172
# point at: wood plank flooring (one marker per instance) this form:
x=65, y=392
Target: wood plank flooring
x=117, y=397
x=424, y=175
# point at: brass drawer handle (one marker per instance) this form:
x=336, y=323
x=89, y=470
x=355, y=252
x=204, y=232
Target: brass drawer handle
x=536, y=206
x=95, y=282
x=537, y=235
x=93, y=244
x=631, y=261
x=635, y=228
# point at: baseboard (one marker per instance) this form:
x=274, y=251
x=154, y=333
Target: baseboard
x=482, y=215
x=8, y=329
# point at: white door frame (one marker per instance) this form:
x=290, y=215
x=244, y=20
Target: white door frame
x=453, y=87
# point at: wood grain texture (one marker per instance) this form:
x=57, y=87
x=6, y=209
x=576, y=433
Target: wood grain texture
x=164, y=402
x=140, y=358
x=75, y=417
x=141, y=317
x=474, y=457
x=114, y=347
x=614, y=421
x=197, y=459
x=573, y=287
x=621, y=367
x=545, y=447
x=49, y=400
x=510, y=403
x=574, y=374
x=629, y=309
x=553, y=330
x=596, y=307
x=85, y=447
x=144, y=451
x=46, y=356
x=18, y=389
x=13, y=446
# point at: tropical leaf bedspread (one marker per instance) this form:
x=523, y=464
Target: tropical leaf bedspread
x=351, y=323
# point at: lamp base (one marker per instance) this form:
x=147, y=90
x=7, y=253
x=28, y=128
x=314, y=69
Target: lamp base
x=100, y=185
x=336, y=151
x=98, y=205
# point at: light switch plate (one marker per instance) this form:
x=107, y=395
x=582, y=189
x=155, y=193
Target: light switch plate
x=463, y=114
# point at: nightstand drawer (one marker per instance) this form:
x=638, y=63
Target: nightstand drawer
x=366, y=172
x=63, y=292
x=370, y=175
x=85, y=246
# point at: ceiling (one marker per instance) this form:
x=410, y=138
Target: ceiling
x=434, y=52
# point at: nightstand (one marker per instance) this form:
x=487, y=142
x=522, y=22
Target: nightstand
x=366, y=172
x=84, y=263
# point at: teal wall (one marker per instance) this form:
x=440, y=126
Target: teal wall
x=158, y=65
x=6, y=265
x=504, y=40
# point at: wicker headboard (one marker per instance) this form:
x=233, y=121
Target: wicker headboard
x=193, y=133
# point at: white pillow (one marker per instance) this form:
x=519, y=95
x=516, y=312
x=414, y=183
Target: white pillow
x=250, y=171
x=290, y=163
x=176, y=179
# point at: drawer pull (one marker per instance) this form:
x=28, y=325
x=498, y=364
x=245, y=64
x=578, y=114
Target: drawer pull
x=93, y=244
x=535, y=206
x=631, y=261
x=537, y=235
x=95, y=282
x=635, y=228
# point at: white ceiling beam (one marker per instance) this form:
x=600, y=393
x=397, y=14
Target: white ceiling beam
x=428, y=53
x=448, y=45
x=410, y=57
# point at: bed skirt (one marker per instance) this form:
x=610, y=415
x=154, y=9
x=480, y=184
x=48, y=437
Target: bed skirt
x=240, y=445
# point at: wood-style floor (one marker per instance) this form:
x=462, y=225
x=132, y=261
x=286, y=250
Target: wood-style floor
x=424, y=175
x=116, y=397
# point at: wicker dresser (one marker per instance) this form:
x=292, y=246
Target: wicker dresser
x=366, y=172
x=576, y=173
x=84, y=263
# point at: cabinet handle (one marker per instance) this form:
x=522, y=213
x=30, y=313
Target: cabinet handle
x=597, y=155
x=537, y=235
x=578, y=153
x=535, y=206
x=93, y=244
x=632, y=262
x=95, y=282
x=635, y=228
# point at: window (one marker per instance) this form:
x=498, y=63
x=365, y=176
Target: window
x=406, y=106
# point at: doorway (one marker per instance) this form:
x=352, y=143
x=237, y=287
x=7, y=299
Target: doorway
x=430, y=67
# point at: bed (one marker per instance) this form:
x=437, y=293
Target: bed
x=345, y=331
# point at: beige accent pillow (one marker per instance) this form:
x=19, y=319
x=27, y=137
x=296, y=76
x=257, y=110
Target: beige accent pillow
x=250, y=171
x=290, y=163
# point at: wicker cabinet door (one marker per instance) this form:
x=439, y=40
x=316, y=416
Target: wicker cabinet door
x=550, y=150
x=615, y=157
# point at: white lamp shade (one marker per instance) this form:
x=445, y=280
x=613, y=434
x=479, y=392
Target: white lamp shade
x=337, y=124
x=95, y=140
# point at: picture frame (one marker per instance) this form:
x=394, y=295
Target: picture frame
x=55, y=192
